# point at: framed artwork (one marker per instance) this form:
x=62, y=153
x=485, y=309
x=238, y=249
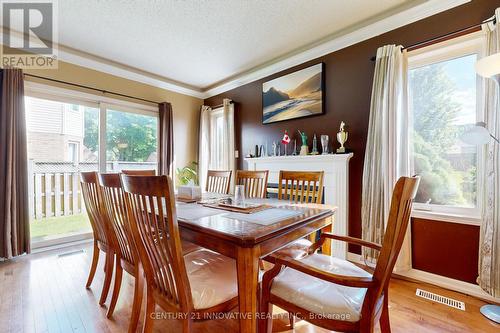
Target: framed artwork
x=295, y=95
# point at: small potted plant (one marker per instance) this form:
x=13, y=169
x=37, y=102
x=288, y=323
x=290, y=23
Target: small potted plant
x=188, y=175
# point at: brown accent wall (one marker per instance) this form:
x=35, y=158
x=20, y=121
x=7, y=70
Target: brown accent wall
x=446, y=249
x=348, y=83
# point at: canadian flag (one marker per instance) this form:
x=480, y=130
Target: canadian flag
x=286, y=138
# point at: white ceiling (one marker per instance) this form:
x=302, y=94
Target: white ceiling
x=202, y=43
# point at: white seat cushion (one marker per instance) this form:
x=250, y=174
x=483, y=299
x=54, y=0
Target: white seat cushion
x=212, y=277
x=296, y=250
x=321, y=297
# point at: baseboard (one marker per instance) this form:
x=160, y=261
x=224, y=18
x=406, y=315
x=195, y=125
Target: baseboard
x=437, y=280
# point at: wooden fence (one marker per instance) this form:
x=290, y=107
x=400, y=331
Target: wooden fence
x=54, y=188
x=55, y=194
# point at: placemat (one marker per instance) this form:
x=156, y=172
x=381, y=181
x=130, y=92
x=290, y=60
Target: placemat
x=266, y=217
x=194, y=211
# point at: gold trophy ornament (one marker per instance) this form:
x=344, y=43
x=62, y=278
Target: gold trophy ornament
x=342, y=138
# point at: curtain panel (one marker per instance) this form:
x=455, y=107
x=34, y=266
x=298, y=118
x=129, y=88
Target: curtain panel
x=166, y=138
x=204, y=145
x=387, y=155
x=489, y=243
x=207, y=141
x=14, y=207
x=229, y=160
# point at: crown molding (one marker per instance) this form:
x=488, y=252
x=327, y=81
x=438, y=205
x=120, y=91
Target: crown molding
x=107, y=66
x=339, y=41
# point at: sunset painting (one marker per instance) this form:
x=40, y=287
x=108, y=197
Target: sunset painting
x=296, y=95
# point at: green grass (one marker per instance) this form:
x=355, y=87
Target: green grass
x=58, y=226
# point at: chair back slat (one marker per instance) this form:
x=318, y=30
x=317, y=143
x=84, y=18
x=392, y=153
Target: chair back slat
x=255, y=182
x=301, y=186
x=150, y=205
x=114, y=204
x=218, y=181
x=95, y=209
x=397, y=224
x=139, y=172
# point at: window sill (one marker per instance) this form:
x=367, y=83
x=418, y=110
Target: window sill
x=453, y=218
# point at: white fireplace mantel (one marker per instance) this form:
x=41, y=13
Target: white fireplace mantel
x=336, y=183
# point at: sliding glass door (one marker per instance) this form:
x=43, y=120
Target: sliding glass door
x=62, y=142
x=131, y=141
x=68, y=136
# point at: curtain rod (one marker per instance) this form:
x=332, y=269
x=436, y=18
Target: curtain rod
x=91, y=88
x=443, y=37
x=220, y=105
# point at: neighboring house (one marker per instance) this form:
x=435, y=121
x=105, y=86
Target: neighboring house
x=55, y=131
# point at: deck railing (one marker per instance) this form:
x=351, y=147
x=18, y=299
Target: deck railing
x=54, y=187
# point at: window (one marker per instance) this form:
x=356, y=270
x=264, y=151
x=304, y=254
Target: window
x=217, y=141
x=443, y=100
x=131, y=141
x=73, y=152
x=66, y=131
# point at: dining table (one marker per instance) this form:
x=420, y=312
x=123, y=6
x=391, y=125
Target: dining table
x=247, y=238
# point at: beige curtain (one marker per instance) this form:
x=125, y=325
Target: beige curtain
x=386, y=155
x=14, y=210
x=204, y=144
x=489, y=244
x=166, y=140
x=228, y=156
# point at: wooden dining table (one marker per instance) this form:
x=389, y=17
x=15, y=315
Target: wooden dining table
x=233, y=235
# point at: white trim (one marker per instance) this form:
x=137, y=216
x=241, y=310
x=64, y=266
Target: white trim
x=446, y=51
x=442, y=217
x=448, y=283
x=340, y=41
x=437, y=280
x=336, y=42
x=76, y=96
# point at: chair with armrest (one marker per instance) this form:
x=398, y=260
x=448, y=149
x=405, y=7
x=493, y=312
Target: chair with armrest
x=334, y=293
x=188, y=285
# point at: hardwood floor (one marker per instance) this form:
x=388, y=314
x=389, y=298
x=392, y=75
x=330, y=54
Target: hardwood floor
x=46, y=292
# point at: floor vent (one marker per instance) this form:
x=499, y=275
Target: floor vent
x=71, y=253
x=441, y=299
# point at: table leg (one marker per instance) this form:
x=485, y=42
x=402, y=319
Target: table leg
x=327, y=245
x=248, y=270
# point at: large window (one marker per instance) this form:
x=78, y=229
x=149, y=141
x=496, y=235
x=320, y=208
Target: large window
x=131, y=141
x=68, y=133
x=217, y=142
x=443, y=99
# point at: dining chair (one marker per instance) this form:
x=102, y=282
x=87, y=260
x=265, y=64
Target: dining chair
x=189, y=286
x=218, y=181
x=300, y=187
x=254, y=182
x=334, y=293
x=139, y=172
x=103, y=237
x=126, y=253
